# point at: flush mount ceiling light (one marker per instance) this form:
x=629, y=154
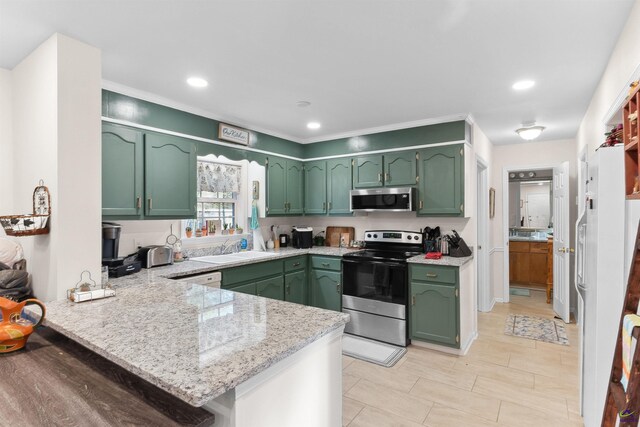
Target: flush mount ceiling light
x=523, y=85
x=197, y=82
x=529, y=132
x=313, y=125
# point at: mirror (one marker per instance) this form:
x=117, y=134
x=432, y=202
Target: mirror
x=531, y=204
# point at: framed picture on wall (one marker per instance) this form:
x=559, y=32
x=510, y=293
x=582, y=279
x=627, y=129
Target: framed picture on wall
x=492, y=202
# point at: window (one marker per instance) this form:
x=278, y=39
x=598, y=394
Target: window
x=217, y=206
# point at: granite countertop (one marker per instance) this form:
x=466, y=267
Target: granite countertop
x=193, y=341
x=445, y=260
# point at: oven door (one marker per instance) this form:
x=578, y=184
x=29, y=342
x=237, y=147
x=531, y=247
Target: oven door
x=382, y=281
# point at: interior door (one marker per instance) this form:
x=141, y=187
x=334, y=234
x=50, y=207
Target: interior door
x=561, y=250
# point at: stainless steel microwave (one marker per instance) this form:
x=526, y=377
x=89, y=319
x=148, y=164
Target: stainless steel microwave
x=384, y=199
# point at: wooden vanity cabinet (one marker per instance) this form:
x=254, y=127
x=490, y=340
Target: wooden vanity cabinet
x=528, y=263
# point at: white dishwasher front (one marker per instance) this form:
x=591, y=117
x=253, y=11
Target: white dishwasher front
x=208, y=279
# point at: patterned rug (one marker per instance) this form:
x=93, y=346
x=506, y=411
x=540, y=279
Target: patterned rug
x=536, y=328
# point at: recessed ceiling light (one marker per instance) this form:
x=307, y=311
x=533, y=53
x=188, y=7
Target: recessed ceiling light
x=523, y=84
x=303, y=104
x=313, y=125
x=197, y=82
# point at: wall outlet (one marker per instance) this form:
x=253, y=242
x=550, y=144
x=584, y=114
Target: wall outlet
x=137, y=243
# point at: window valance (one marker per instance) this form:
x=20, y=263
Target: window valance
x=219, y=177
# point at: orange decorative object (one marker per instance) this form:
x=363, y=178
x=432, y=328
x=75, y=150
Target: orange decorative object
x=15, y=330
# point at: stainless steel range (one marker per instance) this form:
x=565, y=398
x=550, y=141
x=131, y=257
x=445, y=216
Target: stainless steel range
x=375, y=285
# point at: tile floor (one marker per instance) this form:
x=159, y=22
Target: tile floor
x=502, y=381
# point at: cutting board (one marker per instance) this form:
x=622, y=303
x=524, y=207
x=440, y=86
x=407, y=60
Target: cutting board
x=333, y=235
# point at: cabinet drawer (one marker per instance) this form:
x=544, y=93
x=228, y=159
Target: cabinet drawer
x=434, y=273
x=539, y=248
x=251, y=272
x=295, y=263
x=519, y=247
x=326, y=263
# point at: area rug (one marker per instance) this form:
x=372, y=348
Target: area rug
x=371, y=351
x=536, y=328
x=521, y=292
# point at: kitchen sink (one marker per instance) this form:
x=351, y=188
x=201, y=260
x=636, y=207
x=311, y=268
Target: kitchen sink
x=224, y=259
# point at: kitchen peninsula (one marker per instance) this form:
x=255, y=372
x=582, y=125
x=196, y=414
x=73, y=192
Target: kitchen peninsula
x=225, y=351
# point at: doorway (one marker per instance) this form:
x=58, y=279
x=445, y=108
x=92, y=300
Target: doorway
x=482, y=264
x=535, y=230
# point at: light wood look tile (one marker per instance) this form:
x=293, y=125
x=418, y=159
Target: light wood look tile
x=512, y=414
x=442, y=416
x=394, y=378
x=348, y=381
x=452, y=376
x=372, y=417
x=518, y=378
x=413, y=408
x=350, y=409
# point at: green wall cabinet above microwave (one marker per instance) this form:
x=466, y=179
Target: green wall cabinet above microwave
x=147, y=175
x=285, y=190
x=441, y=182
x=391, y=170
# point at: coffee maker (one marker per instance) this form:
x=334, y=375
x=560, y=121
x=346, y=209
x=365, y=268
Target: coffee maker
x=118, y=266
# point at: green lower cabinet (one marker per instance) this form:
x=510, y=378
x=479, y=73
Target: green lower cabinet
x=295, y=287
x=271, y=288
x=435, y=313
x=326, y=291
x=441, y=186
x=339, y=186
x=247, y=288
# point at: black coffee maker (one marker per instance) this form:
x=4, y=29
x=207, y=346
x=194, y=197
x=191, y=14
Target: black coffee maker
x=110, y=242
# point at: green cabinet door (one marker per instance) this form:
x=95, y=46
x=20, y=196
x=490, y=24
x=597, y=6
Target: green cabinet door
x=295, y=287
x=122, y=171
x=441, y=186
x=434, y=313
x=315, y=188
x=276, y=186
x=326, y=289
x=271, y=288
x=247, y=288
x=338, y=186
x=367, y=171
x=170, y=176
x=400, y=169
x=295, y=188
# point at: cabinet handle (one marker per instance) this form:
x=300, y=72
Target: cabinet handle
x=413, y=300
x=324, y=205
x=330, y=204
x=432, y=275
x=338, y=288
x=379, y=177
x=139, y=202
x=295, y=264
x=150, y=203
x=387, y=177
x=325, y=264
x=288, y=289
x=421, y=204
x=457, y=293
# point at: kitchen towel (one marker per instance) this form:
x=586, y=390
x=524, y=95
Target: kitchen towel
x=630, y=321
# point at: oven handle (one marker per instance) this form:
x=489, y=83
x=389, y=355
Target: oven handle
x=368, y=261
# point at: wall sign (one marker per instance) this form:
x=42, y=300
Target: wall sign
x=233, y=134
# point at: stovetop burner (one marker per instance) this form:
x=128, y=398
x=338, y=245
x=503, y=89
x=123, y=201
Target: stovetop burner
x=389, y=245
x=383, y=255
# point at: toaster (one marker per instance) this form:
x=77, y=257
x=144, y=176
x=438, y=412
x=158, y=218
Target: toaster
x=154, y=256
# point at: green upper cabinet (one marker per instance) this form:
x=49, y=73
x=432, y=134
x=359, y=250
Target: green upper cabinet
x=276, y=186
x=315, y=188
x=391, y=170
x=295, y=188
x=170, y=176
x=285, y=190
x=441, y=185
x=367, y=171
x=434, y=313
x=338, y=186
x=122, y=171
x=400, y=169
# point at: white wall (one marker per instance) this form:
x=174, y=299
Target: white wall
x=6, y=146
x=526, y=155
x=56, y=102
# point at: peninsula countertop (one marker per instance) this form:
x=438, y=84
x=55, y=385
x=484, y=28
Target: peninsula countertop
x=193, y=341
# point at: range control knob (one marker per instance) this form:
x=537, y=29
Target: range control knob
x=369, y=235
x=375, y=236
x=415, y=237
x=409, y=237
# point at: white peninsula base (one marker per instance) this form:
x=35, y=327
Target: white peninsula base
x=305, y=389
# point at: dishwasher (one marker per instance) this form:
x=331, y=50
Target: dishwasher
x=208, y=279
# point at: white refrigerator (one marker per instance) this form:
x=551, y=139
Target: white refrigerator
x=600, y=275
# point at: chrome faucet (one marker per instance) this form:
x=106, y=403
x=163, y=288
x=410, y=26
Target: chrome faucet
x=224, y=248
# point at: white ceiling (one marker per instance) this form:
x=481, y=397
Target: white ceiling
x=362, y=64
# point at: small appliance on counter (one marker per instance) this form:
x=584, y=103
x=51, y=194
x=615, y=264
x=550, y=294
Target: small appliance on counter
x=284, y=240
x=155, y=256
x=118, y=266
x=302, y=237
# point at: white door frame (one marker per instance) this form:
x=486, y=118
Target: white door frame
x=485, y=301
x=505, y=217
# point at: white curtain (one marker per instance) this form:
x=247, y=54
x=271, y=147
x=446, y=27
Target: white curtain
x=218, y=177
